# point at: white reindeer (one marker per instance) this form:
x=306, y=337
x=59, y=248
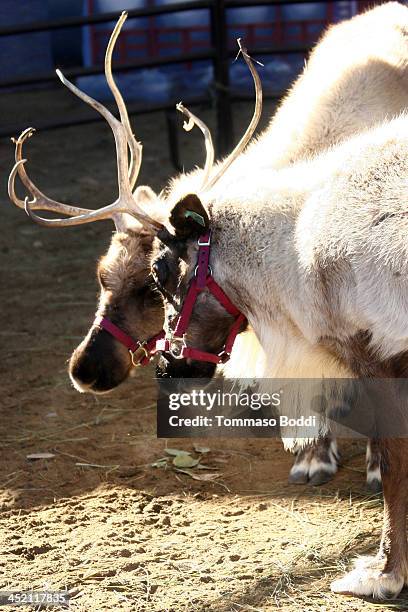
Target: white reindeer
x=316, y=258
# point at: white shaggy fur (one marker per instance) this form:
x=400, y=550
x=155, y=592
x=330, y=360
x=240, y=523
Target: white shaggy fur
x=304, y=221
x=356, y=77
x=314, y=251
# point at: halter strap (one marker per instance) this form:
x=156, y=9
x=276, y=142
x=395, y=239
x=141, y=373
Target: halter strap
x=203, y=279
x=141, y=352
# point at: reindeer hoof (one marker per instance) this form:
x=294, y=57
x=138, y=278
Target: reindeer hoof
x=309, y=469
x=298, y=476
x=374, y=483
x=366, y=580
x=321, y=477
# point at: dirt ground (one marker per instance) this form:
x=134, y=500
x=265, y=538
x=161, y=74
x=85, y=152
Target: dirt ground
x=98, y=518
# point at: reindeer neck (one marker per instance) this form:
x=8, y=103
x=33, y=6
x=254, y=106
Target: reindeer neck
x=254, y=246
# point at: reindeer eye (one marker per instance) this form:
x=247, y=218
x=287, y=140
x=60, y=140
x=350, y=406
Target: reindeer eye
x=160, y=272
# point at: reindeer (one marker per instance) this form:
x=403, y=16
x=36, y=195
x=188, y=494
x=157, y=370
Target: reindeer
x=328, y=102
x=314, y=258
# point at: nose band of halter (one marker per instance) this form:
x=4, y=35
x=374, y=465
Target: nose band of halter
x=140, y=352
x=203, y=279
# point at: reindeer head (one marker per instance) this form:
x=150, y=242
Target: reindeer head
x=129, y=301
x=128, y=298
x=127, y=295
x=201, y=320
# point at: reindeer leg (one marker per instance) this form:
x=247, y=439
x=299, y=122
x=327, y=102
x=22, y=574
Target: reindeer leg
x=383, y=576
x=316, y=463
x=373, y=461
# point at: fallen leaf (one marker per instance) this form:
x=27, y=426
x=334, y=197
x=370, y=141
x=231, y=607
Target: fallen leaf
x=185, y=461
x=208, y=477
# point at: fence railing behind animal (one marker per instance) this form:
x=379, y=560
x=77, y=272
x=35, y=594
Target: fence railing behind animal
x=217, y=53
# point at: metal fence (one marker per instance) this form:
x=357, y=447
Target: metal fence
x=218, y=52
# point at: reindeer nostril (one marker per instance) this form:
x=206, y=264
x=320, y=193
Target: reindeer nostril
x=83, y=369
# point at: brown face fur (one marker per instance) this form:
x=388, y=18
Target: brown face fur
x=130, y=300
x=173, y=262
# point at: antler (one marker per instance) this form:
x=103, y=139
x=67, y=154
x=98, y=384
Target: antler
x=124, y=138
x=134, y=146
x=39, y=201
x=209, y=147
x=193, y=120
x=254, y=121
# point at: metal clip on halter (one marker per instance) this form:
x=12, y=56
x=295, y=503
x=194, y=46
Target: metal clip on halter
x=137, y=355
x=177, y=346
x=141, y=352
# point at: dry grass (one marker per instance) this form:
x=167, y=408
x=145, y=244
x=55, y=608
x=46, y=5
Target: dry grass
x=182, y=553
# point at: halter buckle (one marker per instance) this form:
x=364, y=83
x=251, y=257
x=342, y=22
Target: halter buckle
x=208, y=243
x=139, y=354
x=224, y=356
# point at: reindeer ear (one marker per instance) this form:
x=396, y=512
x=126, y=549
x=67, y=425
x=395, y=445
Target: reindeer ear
x=189, y=217
x=144, y=195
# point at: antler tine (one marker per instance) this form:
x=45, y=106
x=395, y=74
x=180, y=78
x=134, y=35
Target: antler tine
x=97, y=215
x=254, y=121
x=39, y=201
x=209, y=147
x=134, y=146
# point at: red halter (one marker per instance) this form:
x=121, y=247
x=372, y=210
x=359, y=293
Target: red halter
x=202, y=279
x=140, y=352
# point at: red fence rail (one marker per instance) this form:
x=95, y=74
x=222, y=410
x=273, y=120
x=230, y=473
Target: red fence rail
x=153, y=41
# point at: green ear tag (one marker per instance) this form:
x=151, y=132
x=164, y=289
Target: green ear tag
x=198, y=218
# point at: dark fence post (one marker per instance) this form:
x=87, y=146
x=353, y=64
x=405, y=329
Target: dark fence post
x=221, y=77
